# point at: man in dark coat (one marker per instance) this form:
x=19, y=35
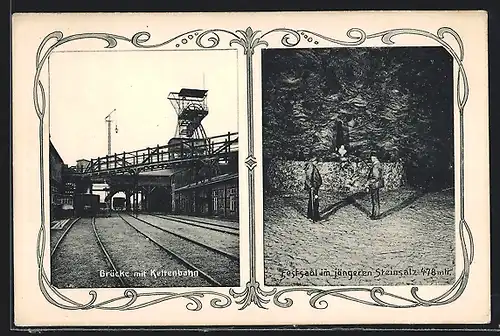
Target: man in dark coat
x=374, y=184
x=312, y=183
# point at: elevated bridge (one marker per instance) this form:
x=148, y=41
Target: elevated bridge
x=183, y=153
x=192, y=171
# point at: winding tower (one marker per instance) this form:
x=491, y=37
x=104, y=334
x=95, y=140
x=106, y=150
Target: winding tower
x=191, y=108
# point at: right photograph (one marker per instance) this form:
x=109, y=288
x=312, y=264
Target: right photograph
x=358, y=174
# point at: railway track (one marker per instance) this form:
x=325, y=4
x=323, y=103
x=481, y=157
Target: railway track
x=99, y=242
x=199, y=223
x=191, y=240
x=191, y=253
x=108, y=257
x=175, y=255
x=227, y=223
x=65, y=232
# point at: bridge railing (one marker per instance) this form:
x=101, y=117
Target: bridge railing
x=219, y=146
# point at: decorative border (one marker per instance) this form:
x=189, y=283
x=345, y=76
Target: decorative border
x=131, y=299
x=317, y=299
x=249, y=40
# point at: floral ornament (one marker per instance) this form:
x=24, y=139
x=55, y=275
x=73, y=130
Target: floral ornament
x=252, y=294
x=248, y=40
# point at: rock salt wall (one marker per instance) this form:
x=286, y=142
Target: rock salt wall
x=288, y=176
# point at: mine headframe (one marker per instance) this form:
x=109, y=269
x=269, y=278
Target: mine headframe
x=191, y=108
x=190, y=139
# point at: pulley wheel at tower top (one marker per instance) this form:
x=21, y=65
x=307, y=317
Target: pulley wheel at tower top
x=194, y=115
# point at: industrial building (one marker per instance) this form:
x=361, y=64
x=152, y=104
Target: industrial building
x=192, y=174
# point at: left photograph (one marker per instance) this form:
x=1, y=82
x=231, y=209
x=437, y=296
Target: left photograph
x=144, y=169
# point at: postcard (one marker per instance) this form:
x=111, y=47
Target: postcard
x=229, y=169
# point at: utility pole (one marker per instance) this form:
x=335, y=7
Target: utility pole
x=108, y=120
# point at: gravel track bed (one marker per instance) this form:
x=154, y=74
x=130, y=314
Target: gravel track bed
x=78, y=259
x=56, y=234
x=133, y=252
x=201, y=224
x=223, y=269
x=54, y=237
x=223, y=241
x=228, y=223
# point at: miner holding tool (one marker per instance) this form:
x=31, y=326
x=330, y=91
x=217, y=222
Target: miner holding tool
x=312, y=183
x=373, y=185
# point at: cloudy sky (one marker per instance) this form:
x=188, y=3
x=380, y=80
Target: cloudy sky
x=87, y=86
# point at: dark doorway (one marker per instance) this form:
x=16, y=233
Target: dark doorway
x=160, y=200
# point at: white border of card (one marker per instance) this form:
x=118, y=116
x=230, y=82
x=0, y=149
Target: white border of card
x=36, y=303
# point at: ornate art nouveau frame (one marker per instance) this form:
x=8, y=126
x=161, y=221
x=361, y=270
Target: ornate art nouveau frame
x=249, y=41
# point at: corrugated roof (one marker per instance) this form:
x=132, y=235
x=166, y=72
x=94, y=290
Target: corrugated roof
x=194, y=93
x=215, y=180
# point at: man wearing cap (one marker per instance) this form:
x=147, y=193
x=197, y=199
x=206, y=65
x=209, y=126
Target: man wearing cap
x=374, y=183
x=312, y=183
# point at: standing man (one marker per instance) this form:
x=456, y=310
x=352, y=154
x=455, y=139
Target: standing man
x=374, y=183
x=312, y=183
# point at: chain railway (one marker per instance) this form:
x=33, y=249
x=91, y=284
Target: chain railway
x=219, y=267
x=202, y=224
x=215, y=265
x=104, y=255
